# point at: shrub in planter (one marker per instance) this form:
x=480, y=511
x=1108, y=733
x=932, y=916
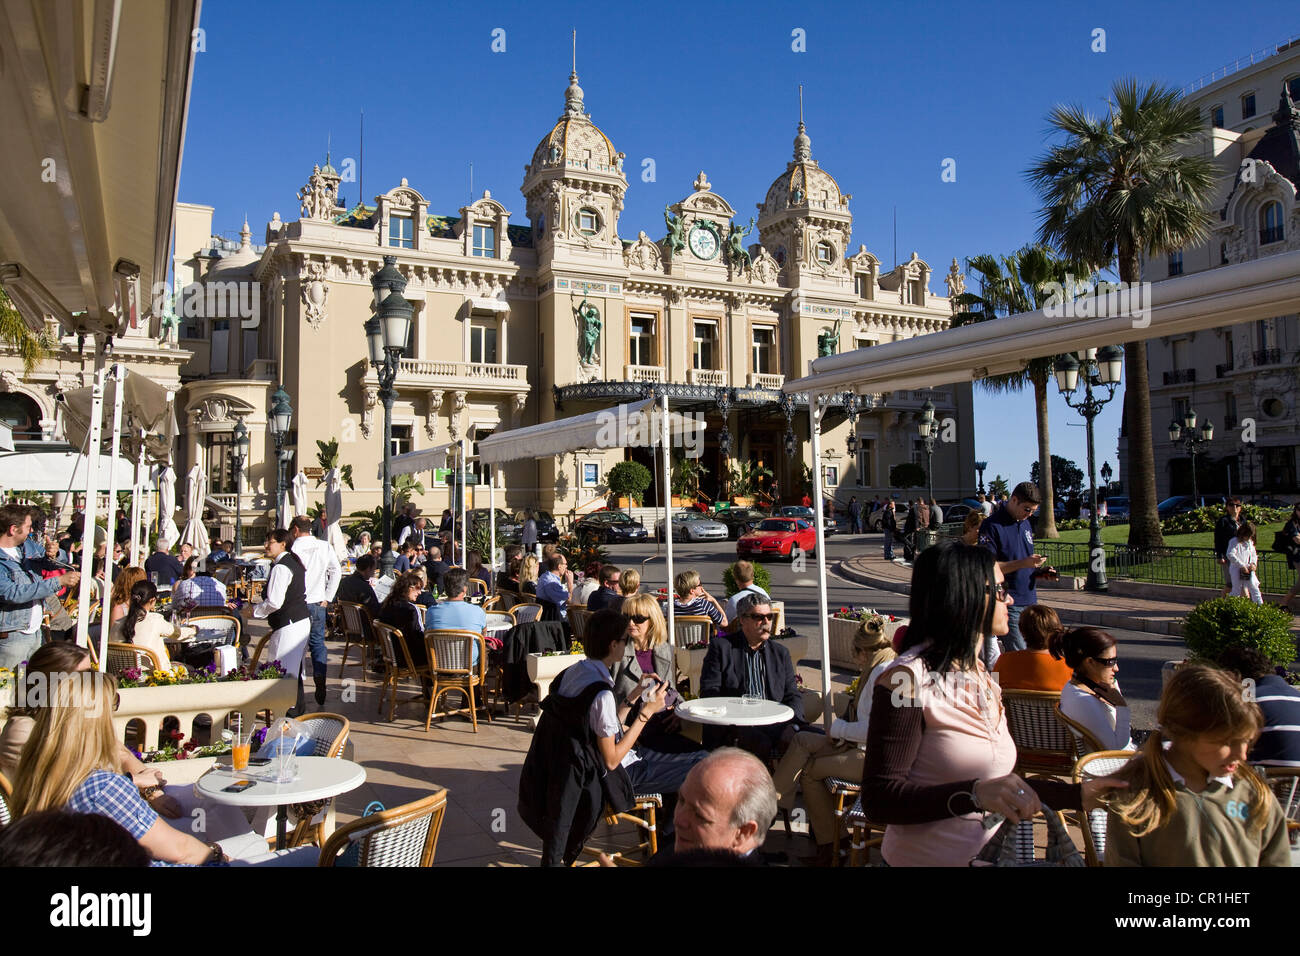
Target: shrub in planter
x=1220, y=623
x=762, y=578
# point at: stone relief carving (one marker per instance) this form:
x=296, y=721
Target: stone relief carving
x=764, y=269
x=315, y=293
x=457, y=406
x=431, y=419
x=644, y=255
x=8, y=381
x=369, y=398
x=956, y=283
x=517, y=410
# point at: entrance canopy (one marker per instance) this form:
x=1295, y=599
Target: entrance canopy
x=56, y=472
x=636, y=425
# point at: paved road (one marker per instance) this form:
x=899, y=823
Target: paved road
x=1141, y=654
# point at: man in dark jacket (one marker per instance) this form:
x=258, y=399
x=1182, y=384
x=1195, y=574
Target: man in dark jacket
x=748, y=663
x=889, y=525
x=357, y=587
x=1225, y=536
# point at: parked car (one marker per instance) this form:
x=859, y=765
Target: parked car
x=1271, y=503
x=609, y=527
x=829, y=525
x=1117, y=507
x=479, y=517
x=955, y=513
x=777, y=537
x=693, y=526
x=1181, y=504
x=547, y=532
x=738, y=520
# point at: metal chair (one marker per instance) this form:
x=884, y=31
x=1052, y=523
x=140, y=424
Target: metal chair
x=1043, y=744
x=526, y=613
x=358, y=629
x=693, y=629
x=508, y=598
x=860, y=839
x=579, y=618
x=403, y=836
x=496, y=618
x=1101, y=763
x=476, y=587
x=450, y=657
x=647, y=804
x=1084, y=741
x=329, y=733
x=386, y=636
x=843, y=791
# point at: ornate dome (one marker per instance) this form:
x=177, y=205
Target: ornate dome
x=574, y=137
x=241, y=260
x=802, y=181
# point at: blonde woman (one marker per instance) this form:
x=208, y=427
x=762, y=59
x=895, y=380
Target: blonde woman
x=816, y=756
x=629, y=583
x=648, y=652
x=528, y=574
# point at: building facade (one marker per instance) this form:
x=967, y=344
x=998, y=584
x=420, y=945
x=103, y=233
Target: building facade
x=519, y=323
x=1242, y=378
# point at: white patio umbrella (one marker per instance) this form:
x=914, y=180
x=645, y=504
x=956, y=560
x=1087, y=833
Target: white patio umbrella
x=333, y=512
x=299, y=490
x=167, y=530
x=196, y=493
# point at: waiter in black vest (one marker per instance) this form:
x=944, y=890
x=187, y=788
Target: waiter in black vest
x=285, y=608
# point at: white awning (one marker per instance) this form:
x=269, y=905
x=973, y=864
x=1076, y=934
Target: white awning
x=414, y=462
x=479, y=303
x=58, y=471
x=6, y=438
x=636, y=425
x=145, y=405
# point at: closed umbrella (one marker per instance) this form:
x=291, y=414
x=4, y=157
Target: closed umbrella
x=196, y=493
x=333, y=512
x=167, y=530
x=299, y=494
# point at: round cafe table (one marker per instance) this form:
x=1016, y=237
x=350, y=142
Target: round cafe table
x=730, y=712
x=318, y=779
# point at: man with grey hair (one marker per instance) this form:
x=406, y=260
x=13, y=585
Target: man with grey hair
x=727, y=802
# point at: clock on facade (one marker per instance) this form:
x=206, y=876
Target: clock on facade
x=704, y=242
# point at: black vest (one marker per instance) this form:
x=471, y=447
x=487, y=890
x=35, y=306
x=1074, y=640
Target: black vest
x=294, y=607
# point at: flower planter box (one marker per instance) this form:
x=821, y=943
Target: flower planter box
x=797, y=646
x=812, y=705
x=544, y=668
x=842, y=631
x=151, y=705
x=742, y=501
x=185, y=771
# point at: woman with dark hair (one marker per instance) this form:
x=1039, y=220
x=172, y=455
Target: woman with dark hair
x=144, y=626
x=939, y=755
x=1092, y=697
x=402, y=610
x=1034, y=668
x=284, y=604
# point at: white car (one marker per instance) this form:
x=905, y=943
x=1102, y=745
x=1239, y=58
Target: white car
x=693, y=527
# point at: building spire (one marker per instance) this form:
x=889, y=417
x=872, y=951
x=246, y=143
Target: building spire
x=802, y=144
x=573, y=95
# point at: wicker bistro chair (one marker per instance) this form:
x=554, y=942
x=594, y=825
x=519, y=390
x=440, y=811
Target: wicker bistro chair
x=477, y=587
x=526, y=613
x=844, y=791
x=6, y=794
x=358, y=629
x=449, y=665
x=693, y=629
x=1101, y=763
x=643, y=816
x=403, y=836
x=1285, y=784
x=1044, y=744
x=329, y=733
x=579, y=618
x=860, y=828
x=508, y=599
x=387, y=636
x=495, y=618
x=1084, y=742
x=124, y=656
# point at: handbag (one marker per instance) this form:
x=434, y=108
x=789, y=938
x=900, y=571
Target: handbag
x=1283, y=544
x=1001, y=850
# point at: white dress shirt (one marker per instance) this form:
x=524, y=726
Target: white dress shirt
x=277, y=586
x=323, y=572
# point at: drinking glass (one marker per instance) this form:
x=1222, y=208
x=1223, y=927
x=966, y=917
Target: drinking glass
x=240, y=744
x=751, y=700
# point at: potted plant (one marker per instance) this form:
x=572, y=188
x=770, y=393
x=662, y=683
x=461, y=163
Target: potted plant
x=744, y=480
x=690, y=661
x=628, y=481
x=1219, y=623
x=686, y=476
x=544, y=668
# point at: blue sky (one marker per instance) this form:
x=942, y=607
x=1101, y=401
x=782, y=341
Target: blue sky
x=891, y=90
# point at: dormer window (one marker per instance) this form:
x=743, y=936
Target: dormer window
x=825, y=253
x=1176, y=263
x=401, y=232
x=1270, y=223
x=485, y=242
x=588, y=221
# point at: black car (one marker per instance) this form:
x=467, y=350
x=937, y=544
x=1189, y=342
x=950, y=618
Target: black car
x=512, y=531
x=739, y=520
x=609, y=527
x=1181, y=504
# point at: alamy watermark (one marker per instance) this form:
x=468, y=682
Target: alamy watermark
x=214, y=299
x=1075, y=299
x=622, y=429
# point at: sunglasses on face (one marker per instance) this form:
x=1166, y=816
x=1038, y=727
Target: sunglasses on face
x=638, y=618
x=770, y=618
x=1107, y=661
x=999, y=591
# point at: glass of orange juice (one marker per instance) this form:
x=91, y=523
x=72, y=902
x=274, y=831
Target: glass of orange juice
x=240, y=743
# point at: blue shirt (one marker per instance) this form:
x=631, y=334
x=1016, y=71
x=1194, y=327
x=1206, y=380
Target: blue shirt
x=551, y=588
x=1279, y=739
x=457, y=614
x=1011, y=540
x=115, y=796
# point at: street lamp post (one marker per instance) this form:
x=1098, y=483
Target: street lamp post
x=238, y=460
x=1106, y=474
x=1194, y=440
x=386, y=334
x=928, y=432
x=1102, y=366
x=281, y=418
x=980, y=466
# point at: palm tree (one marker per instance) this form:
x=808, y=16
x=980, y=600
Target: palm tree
x=1008, y=286
x=1122, y=185
x=32, y=347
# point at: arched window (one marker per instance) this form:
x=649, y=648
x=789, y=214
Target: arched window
x=22, y=414
x=1270, y=223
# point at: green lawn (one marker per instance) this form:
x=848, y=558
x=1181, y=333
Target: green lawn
x=1118, y=534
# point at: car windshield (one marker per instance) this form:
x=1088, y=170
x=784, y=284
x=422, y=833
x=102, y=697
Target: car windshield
x=1171, y=502
x=776, y=524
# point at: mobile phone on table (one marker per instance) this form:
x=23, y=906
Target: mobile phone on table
x=258, y=761
x=239, y=786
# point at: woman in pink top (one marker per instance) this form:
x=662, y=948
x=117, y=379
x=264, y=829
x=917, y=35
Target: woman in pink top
x=939, y=755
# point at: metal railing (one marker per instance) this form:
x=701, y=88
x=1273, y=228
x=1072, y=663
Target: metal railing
x=1180, y=376
x=1182, y=567
x=1238, y=64
x=1221, y=370
x=1268, y=356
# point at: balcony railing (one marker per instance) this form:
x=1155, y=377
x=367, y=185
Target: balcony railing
x=765, y=380
x=1222, y=370
x=643, y=373
x=706, y=376
x=1270, y=234
x=490, y=371
x=1180, y=376
x=1268, y=356
x=1229, y=421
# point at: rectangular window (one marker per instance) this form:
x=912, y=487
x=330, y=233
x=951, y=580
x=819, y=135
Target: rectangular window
x=764, y=346
x=477, y=434
x=221, y=476
x=915, y=293
x=860, y=284
x=1176, y=263
x=641, y=336
x=1248, y=106
x=485, y=241
x=588, y=222
x=832, y=475
x=219, y=356
x=706, y=337
x=1216, y=117
x=866, y=458
x=483, y=341
x=402, y=439
x=401, y=232
x=864, y=343
x=1181, y=405
x=1229, y=410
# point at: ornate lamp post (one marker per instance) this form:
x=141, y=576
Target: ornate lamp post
x=980, y=466
x=281, y=418
x=238, y=460
x=1102, y=366
x=386, y=333
x=928, y=432
x=1194, y=439
x=1106, y=474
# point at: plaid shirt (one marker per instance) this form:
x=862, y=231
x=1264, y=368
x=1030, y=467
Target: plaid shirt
x=115, y=796
x=204, y=590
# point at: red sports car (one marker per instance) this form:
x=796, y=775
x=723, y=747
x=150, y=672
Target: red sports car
x=777, y=537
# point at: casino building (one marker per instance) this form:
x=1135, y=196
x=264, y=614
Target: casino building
x=526, y=315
